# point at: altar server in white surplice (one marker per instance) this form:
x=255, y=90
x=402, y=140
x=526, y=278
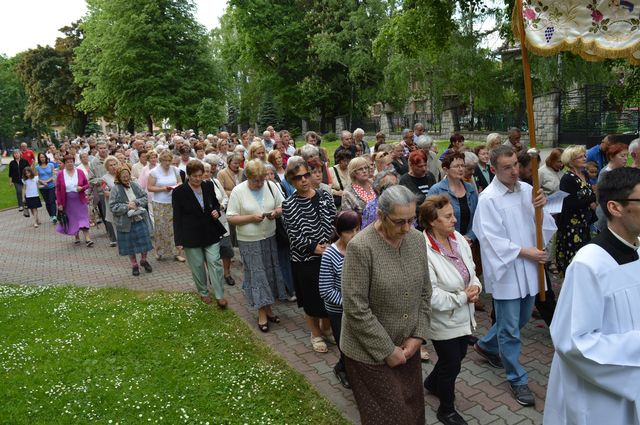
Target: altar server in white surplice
x=505, y=226
x=595, y=374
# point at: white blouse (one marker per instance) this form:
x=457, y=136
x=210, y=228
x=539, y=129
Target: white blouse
x=71, y=181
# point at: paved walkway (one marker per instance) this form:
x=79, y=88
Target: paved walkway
x=41, y=256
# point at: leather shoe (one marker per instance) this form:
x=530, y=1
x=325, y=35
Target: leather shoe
x=222, y=303
x=452, y=418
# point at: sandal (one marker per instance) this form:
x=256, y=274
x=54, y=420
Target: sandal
x=318, y=344
x=180, y=258
x=264, y=327
x=76, y=242
x=89, y=243
x=273, y=319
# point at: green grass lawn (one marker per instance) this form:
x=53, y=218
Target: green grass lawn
x=7, y=193
x=73, y=355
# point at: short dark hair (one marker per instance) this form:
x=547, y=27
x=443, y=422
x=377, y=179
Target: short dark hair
x=617, y=185
x=455, y=137
x=524, y=159
x=450, y=157
x=194, y=166
x=347, y=220
x=428, y=211
x=343, y=154
x=46, y=159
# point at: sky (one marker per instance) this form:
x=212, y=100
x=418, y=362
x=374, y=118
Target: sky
x=27, y=23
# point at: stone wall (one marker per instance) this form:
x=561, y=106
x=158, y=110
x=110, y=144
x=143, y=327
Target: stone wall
x=546, y=111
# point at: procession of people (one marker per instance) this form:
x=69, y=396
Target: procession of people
x=439, y=232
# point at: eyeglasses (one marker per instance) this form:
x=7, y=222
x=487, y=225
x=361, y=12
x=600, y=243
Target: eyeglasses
x=299, y=177
x=401, y=222
x=627, y=200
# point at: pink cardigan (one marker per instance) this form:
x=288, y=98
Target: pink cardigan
x=61, y=188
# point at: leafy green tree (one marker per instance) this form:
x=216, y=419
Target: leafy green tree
x=210, y=115
x=145, y=60
x=51, y=90
x=268, y=114
x=13, y=102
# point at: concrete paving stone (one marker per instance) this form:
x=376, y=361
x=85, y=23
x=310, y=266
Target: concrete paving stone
x=483, y=396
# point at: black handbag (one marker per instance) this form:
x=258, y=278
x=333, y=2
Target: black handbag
x=281, y=233
x=63, y=220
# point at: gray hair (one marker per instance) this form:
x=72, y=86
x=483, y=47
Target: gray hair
x=492, y=137
x=358, y=132
x=498, y=151
x=212, y=159
x=396, y=195
x=379, y=185
x=405, y=131
x=470, y=158
x=424, y=142
x=307, y=151
x=634, y=145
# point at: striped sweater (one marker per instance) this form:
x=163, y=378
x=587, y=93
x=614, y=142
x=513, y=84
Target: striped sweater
x=330, y=283
x=308, y=221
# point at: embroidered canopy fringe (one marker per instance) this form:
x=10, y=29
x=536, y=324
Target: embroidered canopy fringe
x=593, y=29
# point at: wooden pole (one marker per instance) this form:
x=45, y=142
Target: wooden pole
x=528, y=91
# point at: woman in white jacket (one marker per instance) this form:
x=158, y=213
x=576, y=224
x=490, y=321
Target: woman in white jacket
x=455, y=289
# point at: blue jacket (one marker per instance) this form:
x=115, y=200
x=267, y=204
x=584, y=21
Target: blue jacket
x=596, y=155
x=472, y=199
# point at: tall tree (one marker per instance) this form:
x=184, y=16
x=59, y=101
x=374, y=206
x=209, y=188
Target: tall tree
x=146, y=60
x=52, y=92
x=13, y=102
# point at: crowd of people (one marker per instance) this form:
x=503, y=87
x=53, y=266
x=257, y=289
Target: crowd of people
x=386, y=248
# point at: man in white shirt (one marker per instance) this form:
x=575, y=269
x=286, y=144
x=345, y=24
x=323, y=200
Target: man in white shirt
x=595, y=373
x=504, y=225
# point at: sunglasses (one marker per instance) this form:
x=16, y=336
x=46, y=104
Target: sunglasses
x=299, y=177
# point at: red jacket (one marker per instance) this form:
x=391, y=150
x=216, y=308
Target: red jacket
x=61, y=188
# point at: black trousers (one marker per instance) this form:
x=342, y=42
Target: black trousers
x=49, y=196
x=442, y=379
x=336, y=323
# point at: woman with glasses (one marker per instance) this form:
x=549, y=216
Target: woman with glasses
x=253, y=208
x=360, y=192
x=578, y=209
x=463, y=196
x=386, y=318
x=309, y=215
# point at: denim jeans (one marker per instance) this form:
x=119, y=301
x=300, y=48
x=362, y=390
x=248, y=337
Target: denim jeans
x=504, y=336
x=49, y=196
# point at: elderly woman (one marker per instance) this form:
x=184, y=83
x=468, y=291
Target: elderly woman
x=111, y=165
x=358, y=139
x=399, y=161
x=253, y=208
x=360, y=192
x=551, y=172
x=455, y=287
x=71, y=185
x=226, y=248
x=493, y=140
x=382, y=181
x=578, y=208
x=340, y=176
x=231, y=176
x=456, y=144
x=463, y=196
x=382, y=161
x=197, y=228
x=385, y=319
x=162, y=180
x=308, y=218
x=128, y=203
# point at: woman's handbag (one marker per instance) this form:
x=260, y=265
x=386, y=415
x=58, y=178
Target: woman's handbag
x=63, y=220
x=281, y=233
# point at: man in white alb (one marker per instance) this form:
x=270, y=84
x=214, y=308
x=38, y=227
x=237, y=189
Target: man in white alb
x=505, y=227
x=595, y=374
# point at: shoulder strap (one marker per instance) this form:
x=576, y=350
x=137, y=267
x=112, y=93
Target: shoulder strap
x=338, y=177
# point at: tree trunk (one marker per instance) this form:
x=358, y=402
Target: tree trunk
x=150, y=124
x=131, y=126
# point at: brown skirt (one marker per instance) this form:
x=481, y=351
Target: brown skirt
x=388, y=396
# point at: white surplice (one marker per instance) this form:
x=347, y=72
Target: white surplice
x=504, y=223
x=595, y=374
